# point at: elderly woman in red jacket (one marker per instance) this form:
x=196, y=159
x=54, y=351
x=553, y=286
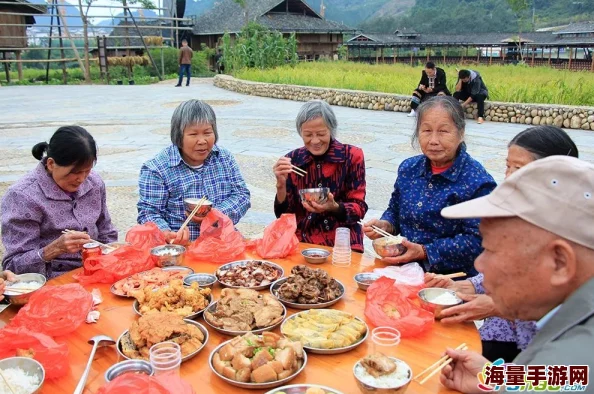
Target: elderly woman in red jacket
x=328, y=163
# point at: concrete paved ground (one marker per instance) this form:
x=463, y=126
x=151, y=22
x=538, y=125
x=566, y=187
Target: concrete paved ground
x=131, y=124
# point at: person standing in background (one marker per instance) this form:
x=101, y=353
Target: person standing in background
x=185, y=63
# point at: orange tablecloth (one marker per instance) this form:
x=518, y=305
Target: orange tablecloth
x=329, y=370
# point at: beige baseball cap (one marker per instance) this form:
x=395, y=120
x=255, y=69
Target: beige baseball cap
x=555, y=193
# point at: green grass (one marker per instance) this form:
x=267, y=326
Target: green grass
x=517, y=84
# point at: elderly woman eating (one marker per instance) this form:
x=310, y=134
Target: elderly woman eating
x=325, y=163
x=60, y=193
x=193, y=166
x=504, y=338
x=443, y=175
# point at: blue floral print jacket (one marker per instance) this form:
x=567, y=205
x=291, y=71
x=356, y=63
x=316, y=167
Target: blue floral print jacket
x=415, y=210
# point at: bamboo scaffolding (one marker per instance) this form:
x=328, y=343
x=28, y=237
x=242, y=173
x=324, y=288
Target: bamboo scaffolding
x=45, y=60
x=80, y=27
x=74, y=37
x=165, y=18
x=93, y=6
x=78, y=47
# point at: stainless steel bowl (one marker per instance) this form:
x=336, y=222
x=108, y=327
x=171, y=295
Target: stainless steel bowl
x=367, y=389
x=204, y=280
x=254, y=386
x=114, y=246
x=30, y=366
x=315, y=256
x=190, y=204
x=388, y=246
x=185, y=358
x=365, y=279
x=240, y=263
x=128, y=366
x=136, y=307
x=213, y=307
x=318, y=194
x=168, y=255
x=301, y=389
x=337, y=350
x=23, y=298
x=429, y=293
x=276, y=285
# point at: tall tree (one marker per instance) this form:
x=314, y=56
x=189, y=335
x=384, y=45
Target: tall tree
x=519, y=8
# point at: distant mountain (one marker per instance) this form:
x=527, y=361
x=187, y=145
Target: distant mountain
x=72, y=16
x=115, y=21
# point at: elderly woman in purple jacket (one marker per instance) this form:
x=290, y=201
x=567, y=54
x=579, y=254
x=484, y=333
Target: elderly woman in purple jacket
x=60, y=193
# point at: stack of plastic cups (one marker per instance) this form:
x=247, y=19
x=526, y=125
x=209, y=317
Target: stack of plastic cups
x=165, y=358
x=341, y=253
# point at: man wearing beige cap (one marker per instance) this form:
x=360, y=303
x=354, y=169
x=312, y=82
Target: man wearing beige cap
x=538, y=263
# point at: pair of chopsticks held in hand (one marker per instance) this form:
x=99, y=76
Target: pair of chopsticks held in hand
x=67, y=231
x=190, y=216
x=437, y=366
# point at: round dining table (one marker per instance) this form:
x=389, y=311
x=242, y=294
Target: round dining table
x=334, y=371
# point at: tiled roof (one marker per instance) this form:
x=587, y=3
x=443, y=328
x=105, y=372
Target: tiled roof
x=579, y=27
x=479, y=39
x=228, y=16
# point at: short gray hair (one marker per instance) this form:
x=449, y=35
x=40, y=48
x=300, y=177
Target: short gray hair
x=189, y=113
x=447, y=103
x=317, y=109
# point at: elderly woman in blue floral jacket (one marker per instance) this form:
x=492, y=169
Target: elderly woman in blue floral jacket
x=443, y=175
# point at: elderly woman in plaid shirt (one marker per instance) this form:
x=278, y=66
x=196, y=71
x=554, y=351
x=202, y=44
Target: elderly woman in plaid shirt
x=194, y=166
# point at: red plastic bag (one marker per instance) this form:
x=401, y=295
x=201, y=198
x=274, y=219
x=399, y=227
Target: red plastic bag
x=218, y=242
x=53, y=356
x=389, y=305
x=55, y=310
x=144, y=384
x=120, y=263
x=145, y=236
x=279, y=238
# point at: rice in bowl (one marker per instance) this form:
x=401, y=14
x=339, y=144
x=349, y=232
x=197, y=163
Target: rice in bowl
x=400, y=377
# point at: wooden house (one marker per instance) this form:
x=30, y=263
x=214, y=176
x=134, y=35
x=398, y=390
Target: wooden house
x=13, y=29
x=317, y=37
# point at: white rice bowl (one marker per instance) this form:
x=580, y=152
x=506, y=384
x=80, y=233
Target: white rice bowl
x=445, y=298
x=20, y=381
x=396, y=379
x=20, y=286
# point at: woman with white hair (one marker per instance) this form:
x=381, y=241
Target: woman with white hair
x=193, y=166
x=327, y=163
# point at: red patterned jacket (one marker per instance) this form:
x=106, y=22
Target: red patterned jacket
x=342, y=169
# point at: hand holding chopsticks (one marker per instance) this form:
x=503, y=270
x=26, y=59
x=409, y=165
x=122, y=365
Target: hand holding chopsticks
x=377, y=230
x=67, y=231
x=190, y=216
x=437, y=366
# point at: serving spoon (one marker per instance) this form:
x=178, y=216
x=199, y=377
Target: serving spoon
x=96, y=341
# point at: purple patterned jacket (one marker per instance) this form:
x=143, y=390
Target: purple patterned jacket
x=35, y=211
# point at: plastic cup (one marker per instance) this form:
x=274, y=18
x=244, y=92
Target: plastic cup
x=165, y=358
x=384, y=338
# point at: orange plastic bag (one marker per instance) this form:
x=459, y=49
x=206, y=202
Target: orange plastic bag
x=218, y=242
x=55, y=310
x=389, y=305
x=53, y=356
x=120, y=263
x=144, y=384
x=145, y=236
x=279, y=238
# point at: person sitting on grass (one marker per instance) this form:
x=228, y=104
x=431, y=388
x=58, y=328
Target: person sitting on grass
x=433, y=83
x=471, y=88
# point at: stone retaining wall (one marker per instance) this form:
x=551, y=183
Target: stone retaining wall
x=566, y=116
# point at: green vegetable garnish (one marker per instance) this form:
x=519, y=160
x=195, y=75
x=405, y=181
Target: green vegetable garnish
x=271, y=351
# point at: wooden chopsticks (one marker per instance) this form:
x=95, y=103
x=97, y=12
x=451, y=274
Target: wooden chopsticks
x=438, y=365
x=67, y=231
x=298, y=171
x=452, y=276
x=191, y=215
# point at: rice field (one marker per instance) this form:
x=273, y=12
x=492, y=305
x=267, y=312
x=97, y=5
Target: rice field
x=509, y=83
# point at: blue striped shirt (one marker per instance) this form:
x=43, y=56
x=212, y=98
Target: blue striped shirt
x=166, y=180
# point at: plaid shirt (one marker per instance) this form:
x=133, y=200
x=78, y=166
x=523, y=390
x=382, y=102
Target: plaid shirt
x=166, y=180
